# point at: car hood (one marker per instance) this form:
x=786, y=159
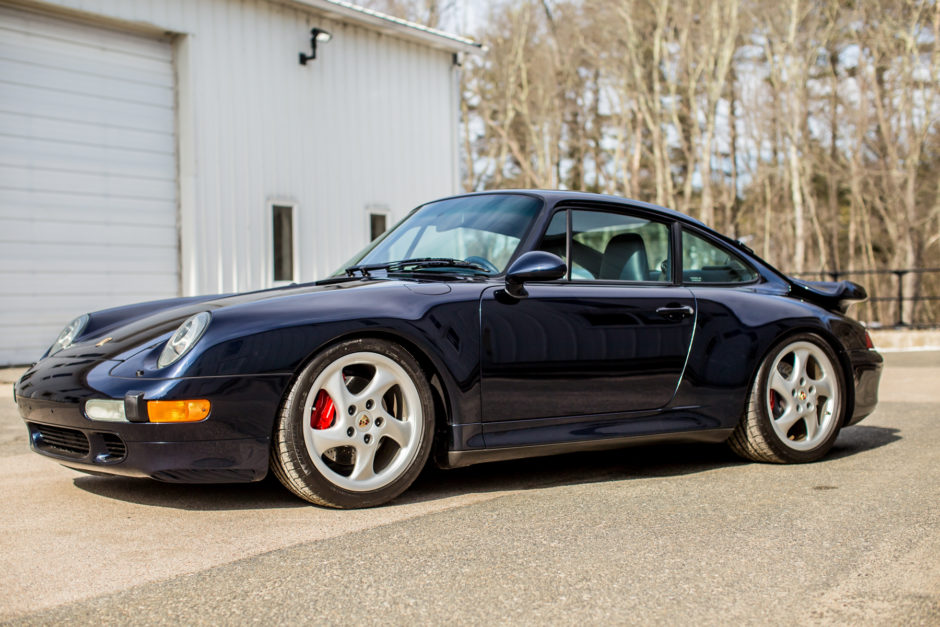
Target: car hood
x=116, y=333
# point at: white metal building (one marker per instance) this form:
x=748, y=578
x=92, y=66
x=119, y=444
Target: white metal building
x=154, y=148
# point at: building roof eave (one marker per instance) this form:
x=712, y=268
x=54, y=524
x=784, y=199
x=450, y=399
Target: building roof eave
x=376, y=20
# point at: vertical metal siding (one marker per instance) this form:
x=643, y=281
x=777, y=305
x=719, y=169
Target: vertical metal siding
x=87, y=175
x=369, y=122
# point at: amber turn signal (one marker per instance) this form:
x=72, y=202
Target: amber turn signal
x=177, y=411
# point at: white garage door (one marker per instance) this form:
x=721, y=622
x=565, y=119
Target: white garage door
x=87, y=175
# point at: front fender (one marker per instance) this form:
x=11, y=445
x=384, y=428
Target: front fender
x=279, y=337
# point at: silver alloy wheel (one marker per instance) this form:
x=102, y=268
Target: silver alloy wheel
x=377, y=425
x=803, y=396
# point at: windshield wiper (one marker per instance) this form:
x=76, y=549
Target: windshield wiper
x=415, y=264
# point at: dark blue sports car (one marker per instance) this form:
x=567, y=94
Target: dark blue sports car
x=487, y=326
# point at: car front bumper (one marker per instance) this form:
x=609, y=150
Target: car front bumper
x=230, y=445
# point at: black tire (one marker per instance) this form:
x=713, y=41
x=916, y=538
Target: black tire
x=814, y=391
x=390, y=432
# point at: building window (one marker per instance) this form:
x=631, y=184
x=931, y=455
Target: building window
x=378, y=224
x=377, y=218
x=283, y=250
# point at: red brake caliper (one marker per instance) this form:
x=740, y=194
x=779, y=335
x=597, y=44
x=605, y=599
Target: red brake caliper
x=323, y=411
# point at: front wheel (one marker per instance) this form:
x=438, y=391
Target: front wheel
x=796, y=404
x=356, y=427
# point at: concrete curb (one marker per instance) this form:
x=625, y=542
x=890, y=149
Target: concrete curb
x=11, y=375
x=904, y=340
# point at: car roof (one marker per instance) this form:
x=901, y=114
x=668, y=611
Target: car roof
x=555, y=196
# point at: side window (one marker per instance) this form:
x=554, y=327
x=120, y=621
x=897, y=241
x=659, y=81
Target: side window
x=607, y=246
x=555, y=240
x=705, y=262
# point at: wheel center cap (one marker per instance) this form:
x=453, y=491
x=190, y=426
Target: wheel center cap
x=364, y=421
x=802, y=395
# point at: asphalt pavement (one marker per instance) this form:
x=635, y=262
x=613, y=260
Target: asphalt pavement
x=666, y=534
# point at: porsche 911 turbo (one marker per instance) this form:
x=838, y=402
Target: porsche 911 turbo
x=486, y=326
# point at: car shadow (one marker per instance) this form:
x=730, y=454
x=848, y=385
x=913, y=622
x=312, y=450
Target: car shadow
x=652, y=461
x=862, y=438
x=644, y=462
x=265, y=494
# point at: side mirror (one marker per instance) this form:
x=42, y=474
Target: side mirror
x=535, y=265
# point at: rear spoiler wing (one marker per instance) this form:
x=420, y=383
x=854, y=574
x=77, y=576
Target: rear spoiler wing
x=831, y=295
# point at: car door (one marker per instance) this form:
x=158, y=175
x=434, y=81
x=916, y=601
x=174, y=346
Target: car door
x=610, y=339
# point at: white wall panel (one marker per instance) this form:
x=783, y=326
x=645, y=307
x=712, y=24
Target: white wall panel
x=87, y=174
x=369, y=122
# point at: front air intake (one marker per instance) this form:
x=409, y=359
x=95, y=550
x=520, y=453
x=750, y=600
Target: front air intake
x=115, y=446
x=59, y=440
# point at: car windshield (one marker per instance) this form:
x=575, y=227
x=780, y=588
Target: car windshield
x=480, y=233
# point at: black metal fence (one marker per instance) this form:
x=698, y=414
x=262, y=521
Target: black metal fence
x=908, y=298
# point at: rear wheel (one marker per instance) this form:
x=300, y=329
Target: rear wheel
x=357, y=426
x=796, y=404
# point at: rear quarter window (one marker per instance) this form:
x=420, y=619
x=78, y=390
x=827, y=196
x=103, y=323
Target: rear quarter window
x=705, y=262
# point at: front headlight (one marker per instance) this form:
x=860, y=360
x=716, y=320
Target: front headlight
x=184, y=339
x=71, y=331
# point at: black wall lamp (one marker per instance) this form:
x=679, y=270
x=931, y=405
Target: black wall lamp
x=316, y=35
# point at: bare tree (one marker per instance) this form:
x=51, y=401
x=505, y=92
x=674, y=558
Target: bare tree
x=811, y=127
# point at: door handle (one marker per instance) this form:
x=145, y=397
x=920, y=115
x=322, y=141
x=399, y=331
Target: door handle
x=675, y=312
